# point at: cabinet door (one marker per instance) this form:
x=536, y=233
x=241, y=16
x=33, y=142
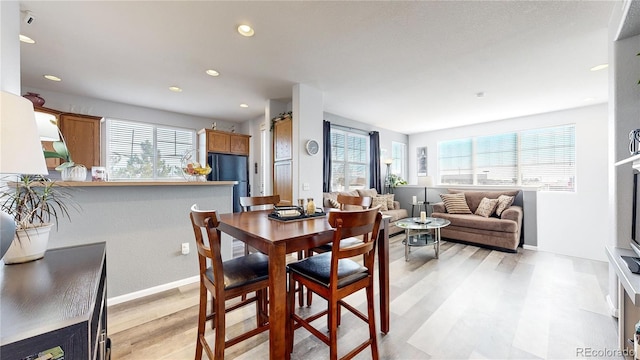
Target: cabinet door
x=239, y=144
x=218, y=142
x=283, y=181
x=82, y=135
x=283, y=140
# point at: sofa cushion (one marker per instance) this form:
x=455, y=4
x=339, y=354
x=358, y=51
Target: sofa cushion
x=380, y=201
x=474, y=197
x=390, y=201
x=486, y=207
x=396, y=214
x=367, y=192
x=327, y=197
x=455, y=203
x=479, y=223
x=504, y=201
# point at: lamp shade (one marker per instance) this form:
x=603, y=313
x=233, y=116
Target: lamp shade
x=20, y=147
x=426, y=181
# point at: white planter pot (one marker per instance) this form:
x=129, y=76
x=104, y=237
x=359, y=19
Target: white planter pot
x=74, y=173
x=28, y=245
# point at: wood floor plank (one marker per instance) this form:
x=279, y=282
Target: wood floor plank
x=472, y=303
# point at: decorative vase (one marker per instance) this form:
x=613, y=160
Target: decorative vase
x=34, y=98
x=74, y=173
x=28, y=244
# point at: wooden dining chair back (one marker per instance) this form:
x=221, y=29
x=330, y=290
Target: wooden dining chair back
x=226, y=280
x=344, y=200
x=335, y=276
x=249, y=202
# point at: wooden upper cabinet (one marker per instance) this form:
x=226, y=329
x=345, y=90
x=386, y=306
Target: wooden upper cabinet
x=225, y=142
x=82, y=135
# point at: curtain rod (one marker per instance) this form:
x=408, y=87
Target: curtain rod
x=347, y=128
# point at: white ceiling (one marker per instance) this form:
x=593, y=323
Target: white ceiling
x=404, y=66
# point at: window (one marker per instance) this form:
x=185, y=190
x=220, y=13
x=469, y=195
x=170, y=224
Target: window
x=140, y=151
x=542, y=157
x=398, y=154
x=349, y=161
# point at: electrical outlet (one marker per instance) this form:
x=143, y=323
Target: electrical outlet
x=185, y=248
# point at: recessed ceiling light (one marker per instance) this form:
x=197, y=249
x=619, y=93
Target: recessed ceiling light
x=212, y=72
x=245, y=30
x=26, y=39
x=588, y=99
x=599, y=67
x=175, y=89
x=244, y=105
x=52, y=78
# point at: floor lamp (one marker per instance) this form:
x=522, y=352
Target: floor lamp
x=387, y=178
x=20, y=151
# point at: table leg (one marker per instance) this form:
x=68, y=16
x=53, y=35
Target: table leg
x=436, y=246
x=383, y=276
x=406, y=245
x=278, y=316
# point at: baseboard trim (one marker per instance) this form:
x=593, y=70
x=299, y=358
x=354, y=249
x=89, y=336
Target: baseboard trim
x=613, y=309
x=530, y=247
x=152, y=290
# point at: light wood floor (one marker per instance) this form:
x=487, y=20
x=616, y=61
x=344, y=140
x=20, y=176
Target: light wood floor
x=472, y=303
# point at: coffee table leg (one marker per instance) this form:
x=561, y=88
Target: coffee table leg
x=436, y=246
x=406, y=245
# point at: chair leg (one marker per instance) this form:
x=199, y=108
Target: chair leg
x=372, y=322
x=246, y=252
x=309, y=292
x=299, y=286
x=291, y=300
x=220, y=321
x=333, y=329
x=202, y=319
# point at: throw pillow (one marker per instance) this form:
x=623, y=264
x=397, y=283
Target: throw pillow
x=334, y=203
x=455, y=203
x=486, y=207
x=380, y=200
x=504, y=202
x=390, y=199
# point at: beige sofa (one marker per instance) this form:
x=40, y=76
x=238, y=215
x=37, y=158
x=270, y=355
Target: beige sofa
x=496, y=232
x=395, y=212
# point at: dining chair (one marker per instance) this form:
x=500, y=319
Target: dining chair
x=226, y=280
x=344, y=201
x=334, y=276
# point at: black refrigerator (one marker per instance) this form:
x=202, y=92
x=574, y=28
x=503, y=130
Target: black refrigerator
x=226, y=167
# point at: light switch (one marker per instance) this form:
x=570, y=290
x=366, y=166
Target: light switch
x=305, y=186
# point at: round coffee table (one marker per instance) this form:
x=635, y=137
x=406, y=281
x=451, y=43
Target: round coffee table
x=413, y=227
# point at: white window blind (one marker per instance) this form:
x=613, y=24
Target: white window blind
x=140, y=151
x=349, y=160
x=542, y=157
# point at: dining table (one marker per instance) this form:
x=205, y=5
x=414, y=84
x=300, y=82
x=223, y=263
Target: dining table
x=276, y=239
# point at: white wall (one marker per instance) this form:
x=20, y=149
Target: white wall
x=307, y=104
x=97, y=107
x=568, y=223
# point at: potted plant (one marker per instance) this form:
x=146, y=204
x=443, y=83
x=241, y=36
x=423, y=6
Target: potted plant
x=69, y=170
x=34, y=202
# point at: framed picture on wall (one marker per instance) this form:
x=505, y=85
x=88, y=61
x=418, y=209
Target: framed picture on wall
x=422, y=161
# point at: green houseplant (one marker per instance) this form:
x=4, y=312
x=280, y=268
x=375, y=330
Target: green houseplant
x=35, y=203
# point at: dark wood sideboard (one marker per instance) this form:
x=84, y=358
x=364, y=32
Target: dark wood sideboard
x=59, y=300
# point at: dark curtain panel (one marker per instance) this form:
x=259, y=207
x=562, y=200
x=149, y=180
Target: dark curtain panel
x=374, y=165
x=326, y=153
